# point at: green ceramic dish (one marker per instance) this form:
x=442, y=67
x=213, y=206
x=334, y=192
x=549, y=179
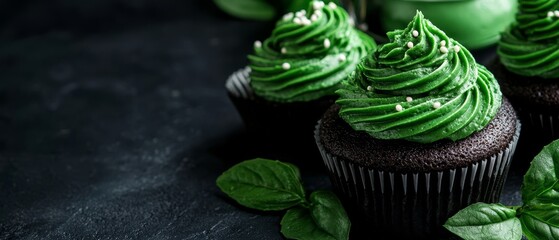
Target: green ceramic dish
x=474, y=23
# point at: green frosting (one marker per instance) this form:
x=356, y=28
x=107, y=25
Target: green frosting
x=530, y=46
x=419, y=88
x=308, y=55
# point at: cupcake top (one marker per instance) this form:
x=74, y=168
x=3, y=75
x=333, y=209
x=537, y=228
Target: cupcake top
x=421, y=86
x=530, y=46
x=307, y=55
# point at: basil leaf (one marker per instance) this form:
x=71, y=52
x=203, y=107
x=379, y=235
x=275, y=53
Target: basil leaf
x=485, y=221
x=297, y=223
x=248, y=9
x=263, y=184
x=325, y=219
x=541, y=182
x=540, y=221
x=329, y=214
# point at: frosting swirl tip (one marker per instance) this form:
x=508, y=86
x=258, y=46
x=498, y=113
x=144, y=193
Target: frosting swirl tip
x=319, y=45
x=421, y=86
x=530, y=45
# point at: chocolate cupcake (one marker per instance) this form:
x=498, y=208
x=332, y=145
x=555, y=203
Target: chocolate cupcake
x=419, y=132
x=293, y=74
x=527, y=69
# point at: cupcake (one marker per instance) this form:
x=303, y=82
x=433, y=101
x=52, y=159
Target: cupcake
x=419, y=131
x=293, y=74
x=527, y=68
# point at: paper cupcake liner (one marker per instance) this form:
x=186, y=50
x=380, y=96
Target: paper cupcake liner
x=416, y=204
x=538, y=130
x=238, y=84
x=286, y=126
x=277, y=119
x=544, y=125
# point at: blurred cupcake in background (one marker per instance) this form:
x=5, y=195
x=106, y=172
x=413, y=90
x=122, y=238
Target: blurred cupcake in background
x=419, y=131
x=527, y=68
x=293, y=74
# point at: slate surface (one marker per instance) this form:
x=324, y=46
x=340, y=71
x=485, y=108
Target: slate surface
x=118, y=131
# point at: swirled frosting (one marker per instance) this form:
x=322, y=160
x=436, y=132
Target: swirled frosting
x=530, y=46
x=422, y=86
x=307, y=55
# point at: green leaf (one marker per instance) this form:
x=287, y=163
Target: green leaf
x=326, y=219
x=263, y=184
x=485, y=221
x=329, y=214
x=540, y=221
x=248, y=9
x=297, y=223
x=296, y=5
x=541, y=182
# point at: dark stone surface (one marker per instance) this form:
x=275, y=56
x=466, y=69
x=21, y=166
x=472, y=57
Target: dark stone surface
x=117, y=127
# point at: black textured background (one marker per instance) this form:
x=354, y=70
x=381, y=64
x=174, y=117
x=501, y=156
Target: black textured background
x=114, y=122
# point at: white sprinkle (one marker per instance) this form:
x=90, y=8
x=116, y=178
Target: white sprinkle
x=257, y=44
x=318, y=13
x=409, y=99
x=457, y=48
x=283, y=50
x=436, y=105
x=301, y=13
x=314, y=17
x=351, y=22
x=369, y=88
x=306, y=22
x=444, y=50
x=550, y=14
x=410, y=44
x=443, y=43
x=341, y=57
x=332, y=5
x=556, y=13
x=288, y=16
x=297, y=21
x=316, y=5
x=415, y=33
x=326, y=43
x=286, y=66
x=399, y=108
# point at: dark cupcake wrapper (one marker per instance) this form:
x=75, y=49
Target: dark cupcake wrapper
x=546, y=125
x=285, y=127
x=538, y=130
x=416, y=204
x=238, y=84
x=269, y=117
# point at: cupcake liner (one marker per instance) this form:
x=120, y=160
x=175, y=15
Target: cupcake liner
x=286, y=127
x=238, y=84
x=538, y=130
x=416, y=204
x=274, y=119
x=546, y=125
